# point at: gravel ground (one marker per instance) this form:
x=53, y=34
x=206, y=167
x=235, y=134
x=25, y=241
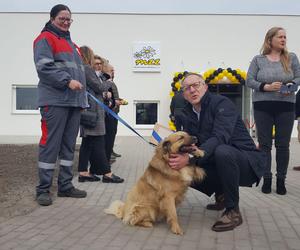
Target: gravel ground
x=18, y=178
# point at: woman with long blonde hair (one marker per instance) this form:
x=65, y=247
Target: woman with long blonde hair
x=274, y=76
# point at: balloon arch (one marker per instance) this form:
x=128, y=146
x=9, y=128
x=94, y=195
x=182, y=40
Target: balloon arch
x=211, y=76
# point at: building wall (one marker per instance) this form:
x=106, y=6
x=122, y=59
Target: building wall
x=188, y=42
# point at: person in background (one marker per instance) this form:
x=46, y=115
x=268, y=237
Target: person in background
x=178, y=103
x=274, y=76
x=112, y=125
x=297, y=113
x=231, y=158
x=98, y=65
x=92, y=147
x=109, y=101
x=61, y=96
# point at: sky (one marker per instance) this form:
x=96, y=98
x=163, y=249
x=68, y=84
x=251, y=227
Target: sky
x=251, y=7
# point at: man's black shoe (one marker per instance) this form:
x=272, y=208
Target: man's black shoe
x=44, y=199
x=115, y=154
x=73, y=193
x=90, y=178
x=112, y=179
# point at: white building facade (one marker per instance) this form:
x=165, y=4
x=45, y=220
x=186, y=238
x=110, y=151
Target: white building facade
x=188, y=40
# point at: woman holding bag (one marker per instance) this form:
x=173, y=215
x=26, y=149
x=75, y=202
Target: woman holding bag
x=274, y=76
x=92, y=147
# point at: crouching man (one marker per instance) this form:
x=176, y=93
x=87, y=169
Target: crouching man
x=231, y=157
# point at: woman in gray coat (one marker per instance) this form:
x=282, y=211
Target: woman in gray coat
x=92, y=147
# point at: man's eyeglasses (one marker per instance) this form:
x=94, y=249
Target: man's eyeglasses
x=195, y=85
x=65, y=19
x=98, y=63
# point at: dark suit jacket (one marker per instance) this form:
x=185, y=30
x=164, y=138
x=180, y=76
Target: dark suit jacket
x=220, y=123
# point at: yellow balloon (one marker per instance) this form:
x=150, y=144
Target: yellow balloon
x=234, y=80
x=218, y=78
x=177, y=85
x=213, y=80
x=172, y=125
x=172, y=94
x=229, y=75
x=244, y=74
x=221, y=75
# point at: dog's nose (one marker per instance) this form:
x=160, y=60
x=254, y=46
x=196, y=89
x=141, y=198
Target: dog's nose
x=194, y=139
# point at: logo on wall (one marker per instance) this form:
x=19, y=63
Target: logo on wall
x=146, y=56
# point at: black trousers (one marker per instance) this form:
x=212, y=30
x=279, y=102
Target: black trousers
x=226, y=170
x=284, y=122
x=111, y=125
x=92, y=149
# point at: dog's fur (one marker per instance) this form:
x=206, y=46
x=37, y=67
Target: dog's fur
x=161, y=188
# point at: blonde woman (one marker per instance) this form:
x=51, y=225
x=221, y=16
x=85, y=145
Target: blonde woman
x=274, y=76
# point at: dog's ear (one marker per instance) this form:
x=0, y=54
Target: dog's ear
x=166, y=147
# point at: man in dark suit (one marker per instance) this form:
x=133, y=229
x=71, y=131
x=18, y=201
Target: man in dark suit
x=231, y=157
x=178, y=103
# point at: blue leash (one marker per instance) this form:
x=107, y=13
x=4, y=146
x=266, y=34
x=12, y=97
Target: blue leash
x=108, y=110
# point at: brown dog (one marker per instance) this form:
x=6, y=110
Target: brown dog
x=161, y=188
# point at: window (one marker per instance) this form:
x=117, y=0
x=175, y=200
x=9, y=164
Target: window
x=25, y=99
x=146, y=114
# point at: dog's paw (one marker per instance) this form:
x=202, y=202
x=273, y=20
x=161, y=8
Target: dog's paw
x=176, y=229
x=145, y=224
x=198, y=153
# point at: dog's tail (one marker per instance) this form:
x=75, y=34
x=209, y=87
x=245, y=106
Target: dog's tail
x=116, y=208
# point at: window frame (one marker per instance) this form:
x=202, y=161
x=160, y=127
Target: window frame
x=144, y=126
x=14, y=100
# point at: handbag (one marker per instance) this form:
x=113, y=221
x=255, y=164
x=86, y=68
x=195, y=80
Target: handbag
x=88, y=118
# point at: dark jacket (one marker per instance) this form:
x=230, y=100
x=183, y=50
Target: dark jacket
x=220, y=123
x=57, y=62
x=178, y=103
x=107, y=87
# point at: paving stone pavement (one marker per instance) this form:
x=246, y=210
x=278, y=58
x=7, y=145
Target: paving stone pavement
x=270, y=221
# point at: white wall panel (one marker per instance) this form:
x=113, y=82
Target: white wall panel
x=188, y=42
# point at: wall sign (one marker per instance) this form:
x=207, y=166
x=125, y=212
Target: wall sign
x=146, y=57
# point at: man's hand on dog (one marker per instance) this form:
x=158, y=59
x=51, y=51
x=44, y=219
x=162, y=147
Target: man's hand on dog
x=178, y=161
